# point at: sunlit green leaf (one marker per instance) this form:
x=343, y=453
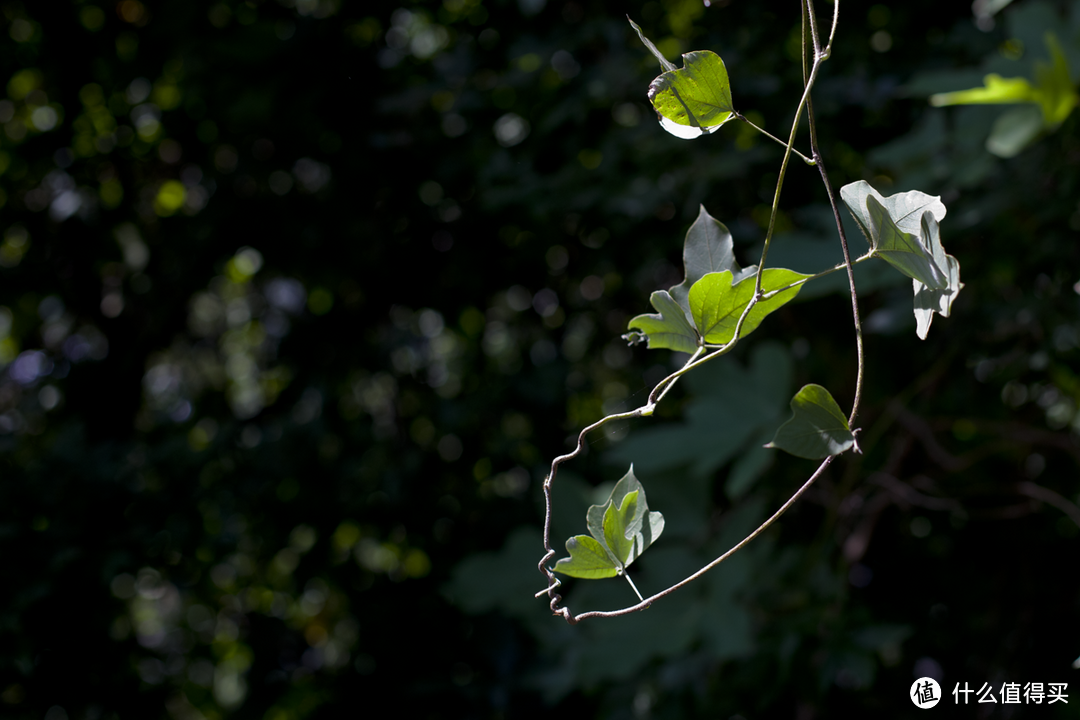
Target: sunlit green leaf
x=1053, y=92
x=588, y=559
x=996, y=91
x=698, y=95
x=1056, y=95
x=716, y=305
x=817, y=428
x=622, y=528
x=667, y=329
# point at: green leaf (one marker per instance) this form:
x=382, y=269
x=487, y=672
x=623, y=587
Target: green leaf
x=696, y=96
x=716, y=305
x=1056, y=95
x=995, y=91
x=935, y=300
x=588, y=559
x=903, y=250
x=664, y=62
x=817, y=428
x=1053, y=93
x=622, y=528
x=668, y=329
x=708, y=249
x=903, y=230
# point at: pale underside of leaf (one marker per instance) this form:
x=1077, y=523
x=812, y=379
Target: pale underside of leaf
x=903, y=250
x=929, y=300
x=906, y=209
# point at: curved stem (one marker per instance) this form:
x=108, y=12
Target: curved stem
x=699, y=357
x=571, y=618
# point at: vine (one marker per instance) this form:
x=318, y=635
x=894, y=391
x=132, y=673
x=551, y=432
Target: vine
x=718, y=303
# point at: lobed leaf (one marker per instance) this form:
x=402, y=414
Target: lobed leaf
x=1053, y=93
x=903, y=230
x=588, y=559
x=622, y=528
x=668, y=329
x=995, y=91
x=716, y=304
x=817, y=428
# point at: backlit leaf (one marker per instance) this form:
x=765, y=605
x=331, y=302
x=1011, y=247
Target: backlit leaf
x=622, y=528
x=698, y=95
x=716, y=305
x=588, y=559
x=668, y=329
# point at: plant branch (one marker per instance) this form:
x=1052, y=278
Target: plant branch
x=700, y=356
x=819, y=57
x=808, y=86
x=815, y=276
x=574, y=619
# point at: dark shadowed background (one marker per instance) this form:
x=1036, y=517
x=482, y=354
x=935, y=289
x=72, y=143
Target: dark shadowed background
x=298, y=298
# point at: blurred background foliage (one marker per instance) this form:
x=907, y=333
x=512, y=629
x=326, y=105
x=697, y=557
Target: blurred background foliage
x=299, y=297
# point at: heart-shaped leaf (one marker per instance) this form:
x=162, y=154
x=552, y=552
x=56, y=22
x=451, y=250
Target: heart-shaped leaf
x=669, y=329
x=696, y=96
x=622, y=528
x=708, y=248
x=716, y=305
x=911, y=242
x=817, y=428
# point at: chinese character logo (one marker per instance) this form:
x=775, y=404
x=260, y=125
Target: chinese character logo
x=925, y=693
